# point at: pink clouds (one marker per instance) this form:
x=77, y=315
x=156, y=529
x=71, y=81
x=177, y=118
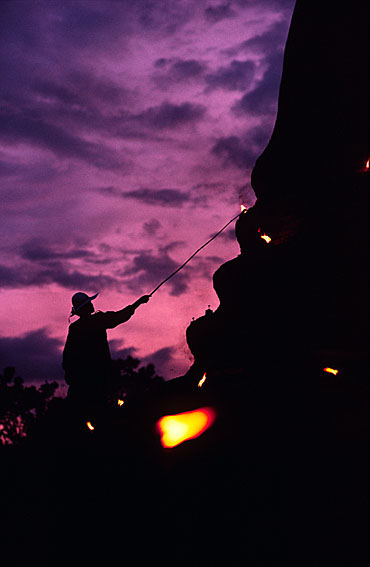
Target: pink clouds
x=126, y=127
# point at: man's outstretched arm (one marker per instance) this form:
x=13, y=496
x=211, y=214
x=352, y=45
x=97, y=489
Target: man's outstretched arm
x=114, y=318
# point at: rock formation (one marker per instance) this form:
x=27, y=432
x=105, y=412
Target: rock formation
x=294, y=307
x=307, y=290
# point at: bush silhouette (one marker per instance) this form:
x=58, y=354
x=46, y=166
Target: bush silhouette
x=21, y=406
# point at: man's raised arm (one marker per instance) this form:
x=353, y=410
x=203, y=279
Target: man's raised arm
x=114, y=318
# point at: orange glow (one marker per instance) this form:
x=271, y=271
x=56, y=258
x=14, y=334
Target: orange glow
x=120, y=402
x=266, y=238
x=180, y=427
x=90, y=425
x=367, y=165
x=202, y=380
x=331, y=370
x=243, y=209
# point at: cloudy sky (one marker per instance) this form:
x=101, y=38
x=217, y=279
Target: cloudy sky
x=128, y=131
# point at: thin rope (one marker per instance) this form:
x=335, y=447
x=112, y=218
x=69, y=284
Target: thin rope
x=194, y=254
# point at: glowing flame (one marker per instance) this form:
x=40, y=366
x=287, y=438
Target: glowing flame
x=331, y=370
x=367, y=165
x=266, y=238
x=243, y=209
x=180, y=427
x=120, y=402
x=90, y=425
x=202, y=380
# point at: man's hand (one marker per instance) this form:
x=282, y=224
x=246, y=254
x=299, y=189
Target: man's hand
x=140, y=301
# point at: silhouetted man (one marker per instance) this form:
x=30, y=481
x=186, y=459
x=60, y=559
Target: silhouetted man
x=86, y=356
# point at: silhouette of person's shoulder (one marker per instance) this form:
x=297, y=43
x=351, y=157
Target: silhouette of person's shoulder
x=94, y=320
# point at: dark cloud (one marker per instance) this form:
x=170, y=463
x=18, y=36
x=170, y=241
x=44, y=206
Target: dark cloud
x=161, y=62
x=51, y=97
x=47, y=255
x=83, y=90
x=161, y=359
x=235, y=151
x=228, y=234
x=151, y=196
x=148, y=270
x=27, y=275
x=219, y=12
x=271, y=41
x=280, y=5
x=86, y=24
x=23, y=126
x=161, y=197
x=83, y=104
x=162, y=18
x=151, y=227
x=242, y=151
x=118, y=351
x=172, y=245
x=187, y=68
x=260, y=135
x=168, y=115
x=38, y=173
x=205, y=266
x=10, y=169
x=39, y=252
x=173, y=71
x=237, y=76
x=263, y=99
x=266, y=43
x=35, y=355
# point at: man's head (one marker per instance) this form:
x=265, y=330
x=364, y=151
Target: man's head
x=81, y=304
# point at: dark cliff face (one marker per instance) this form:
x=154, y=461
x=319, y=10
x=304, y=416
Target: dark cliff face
x=306, y=291
x=320, y=137
x=292, y=308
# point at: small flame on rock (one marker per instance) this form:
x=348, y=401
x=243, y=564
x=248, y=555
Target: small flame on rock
x=180, y=427
x=120, y=402
x=243, y=209
x=202, y=380
x=90, y=425
x=331, y=370
x=367, y=165
x=266, y=238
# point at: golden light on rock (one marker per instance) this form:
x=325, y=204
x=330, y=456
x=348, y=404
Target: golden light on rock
x=243, y=209
x=90, y=425
x=180, y=427
x=120, y=402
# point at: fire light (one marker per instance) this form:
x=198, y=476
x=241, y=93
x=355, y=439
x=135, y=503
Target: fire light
x=367, y=165
x=243, y=209
x=266, y=238
x=120, y=402
x=331, y=370
x=202, y=380
x=180, y=427
x=90, y=425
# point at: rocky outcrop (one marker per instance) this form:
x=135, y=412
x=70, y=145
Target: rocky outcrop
x=293, y=307
x=306, y=291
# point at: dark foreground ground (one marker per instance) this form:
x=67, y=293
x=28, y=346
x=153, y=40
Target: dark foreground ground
x=279, y=479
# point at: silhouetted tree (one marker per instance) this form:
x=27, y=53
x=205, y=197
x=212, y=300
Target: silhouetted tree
x=21, y=406
x=25, y=411
x=132, y=381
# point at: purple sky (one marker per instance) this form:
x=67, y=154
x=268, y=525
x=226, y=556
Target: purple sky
x=128, y=131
